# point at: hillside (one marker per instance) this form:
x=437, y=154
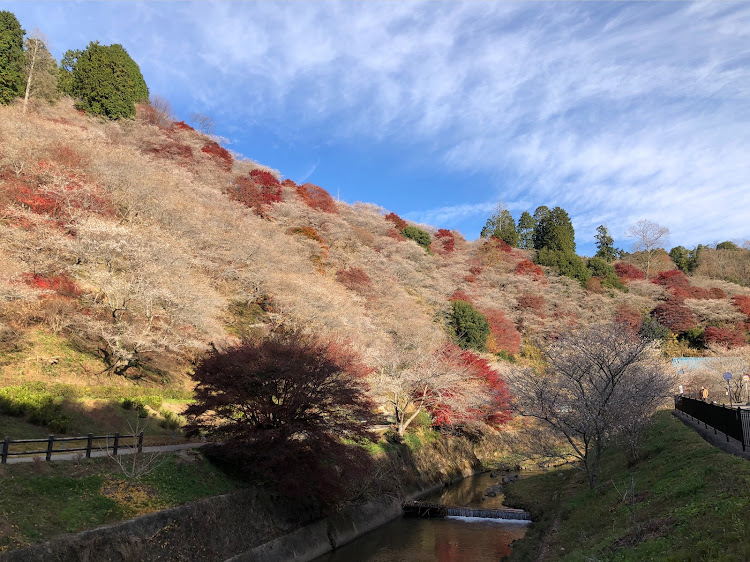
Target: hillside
x=129, y=247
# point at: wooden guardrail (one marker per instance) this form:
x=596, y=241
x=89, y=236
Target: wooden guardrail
x=117, y=444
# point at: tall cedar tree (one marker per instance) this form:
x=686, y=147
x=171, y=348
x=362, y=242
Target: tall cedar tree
x=605, y=244
x=108, y=82
x=526, y=225
x=281, y=408
x=11, y=58
x=501, y=225
x=554, y=231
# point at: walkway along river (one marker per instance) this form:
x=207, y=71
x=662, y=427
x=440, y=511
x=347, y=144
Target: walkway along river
x=451, y=539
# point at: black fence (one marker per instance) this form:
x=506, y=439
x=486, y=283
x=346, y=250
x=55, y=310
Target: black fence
x=733, y=422
x=111, y=443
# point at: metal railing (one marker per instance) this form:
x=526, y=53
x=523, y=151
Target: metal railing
x=49, y=450
x=732, y=422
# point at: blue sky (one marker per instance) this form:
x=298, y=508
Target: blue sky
x=614, y=111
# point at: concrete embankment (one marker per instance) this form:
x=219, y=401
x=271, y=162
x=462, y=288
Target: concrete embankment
x=248, y=525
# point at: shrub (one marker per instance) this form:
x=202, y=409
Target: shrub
x=605, y=272
x=675, y=316
x=567, y=263
x=535, y=303
x=445, y=242
x=398, y=222
x=503, y=334
x=61, y=284
x=317, y=198
x=37, y=404
x=418, y=235
x=459, y=295
x=628, y=272
x=725, y=336
x=527, y=267
x=628, y=318
x=257, y=191
x=470, y=327
x=170, y=420
x=220, y=155
x=354, y=279
x=742, y=302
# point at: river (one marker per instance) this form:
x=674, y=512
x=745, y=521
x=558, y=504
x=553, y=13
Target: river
x=443, y=540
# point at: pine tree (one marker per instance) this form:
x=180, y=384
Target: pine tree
x=554, y=231
x=11, y=58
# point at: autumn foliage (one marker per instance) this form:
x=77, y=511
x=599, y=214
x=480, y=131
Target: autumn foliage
x=280, y=408
x=678, y=284
x=526, y=267
x=259, y=190
x=60, y=284
x=444, y=242
x=628, y=318
x=628, y=272
x=742, y=302
x=493, y=409
x=725, y=336
x=397, y=221
x=317, y=198
x=503, y=333
x=535, y=303
x=220, y=155
x=675, y=316
x=354, y=279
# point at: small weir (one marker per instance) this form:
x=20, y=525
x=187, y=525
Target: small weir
x=429, y=510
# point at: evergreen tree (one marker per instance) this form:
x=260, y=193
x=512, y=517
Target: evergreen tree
x=65, y=73
x=502, y=226
x=554, y=231
x=526, y=225
x=11, y=58
x=108, y=81
x=470, y=327
x=604, y=244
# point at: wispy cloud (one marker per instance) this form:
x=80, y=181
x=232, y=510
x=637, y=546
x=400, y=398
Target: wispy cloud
x=615, y=111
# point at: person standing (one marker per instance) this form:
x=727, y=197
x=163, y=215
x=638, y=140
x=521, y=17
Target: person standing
x=704, y=393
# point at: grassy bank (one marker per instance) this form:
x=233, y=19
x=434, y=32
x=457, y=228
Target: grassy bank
x=692, y=502
x=43, y=500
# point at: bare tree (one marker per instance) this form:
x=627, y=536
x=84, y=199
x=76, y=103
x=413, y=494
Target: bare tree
x=601, y=383
x=40, y=69
x=203, y=123
x=136, y=464
x=648, y=236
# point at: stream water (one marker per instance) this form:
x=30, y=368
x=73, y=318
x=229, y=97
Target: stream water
x=452, y=539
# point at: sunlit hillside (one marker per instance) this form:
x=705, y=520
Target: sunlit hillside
x=129, y=247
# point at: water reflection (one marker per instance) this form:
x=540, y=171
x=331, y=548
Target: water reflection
x=442, y=540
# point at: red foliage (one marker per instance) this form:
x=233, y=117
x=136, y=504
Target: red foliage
x=470, y=278
x=354, y=279
x=444, y=242
x=459, y=295
x=628, y=318
x=317, y=198
x=503, y=333
x=534, y=303
x=221, y=155
x=495, y=411
x=398, y=222
x=725, y=336
x=742, y=302
x=672, y=278
x=288, y=183
x=257, y=192
x=61, y=284
x=171, y=150
x=697, y=293
x=280, y=408
x=628, y=272
x=182, y=125
x=594, y=284
x=526, y=267
x=674, y=316
x=476, y=268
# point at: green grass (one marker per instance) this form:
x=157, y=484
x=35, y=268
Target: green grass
x=42, y=500
x=692, y=502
